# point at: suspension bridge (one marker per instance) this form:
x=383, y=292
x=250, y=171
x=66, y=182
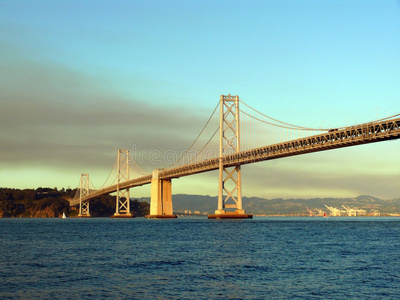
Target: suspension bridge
x=236, y=136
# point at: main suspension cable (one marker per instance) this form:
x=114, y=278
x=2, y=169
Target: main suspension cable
x=184, y=153
x=282, y=126
x=291, y=126
x=204, y=145
x=295, y=127
x=109, y=174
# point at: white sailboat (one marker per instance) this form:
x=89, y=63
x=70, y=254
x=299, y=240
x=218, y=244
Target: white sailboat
x=64, y=216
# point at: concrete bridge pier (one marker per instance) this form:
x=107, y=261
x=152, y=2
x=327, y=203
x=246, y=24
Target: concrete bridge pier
x=161, y=198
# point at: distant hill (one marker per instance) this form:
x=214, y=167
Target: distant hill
x=48, y=202
x=261, y=206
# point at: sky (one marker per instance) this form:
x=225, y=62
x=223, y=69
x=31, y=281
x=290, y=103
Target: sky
x=81, y=79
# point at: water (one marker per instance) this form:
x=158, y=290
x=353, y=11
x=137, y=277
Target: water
x=195, y=258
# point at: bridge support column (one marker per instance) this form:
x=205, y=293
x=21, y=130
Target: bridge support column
x=161, y=198
x=84, y=191
x=230, y=181
x=122, y=206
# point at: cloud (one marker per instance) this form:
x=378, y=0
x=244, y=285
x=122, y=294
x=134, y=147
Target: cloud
x=57, y=117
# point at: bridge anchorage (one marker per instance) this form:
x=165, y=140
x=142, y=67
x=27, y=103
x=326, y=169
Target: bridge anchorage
x=161, y=197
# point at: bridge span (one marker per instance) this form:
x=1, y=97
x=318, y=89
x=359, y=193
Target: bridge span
x=160, y=179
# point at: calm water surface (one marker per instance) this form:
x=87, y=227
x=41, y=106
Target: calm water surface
x=196, y=258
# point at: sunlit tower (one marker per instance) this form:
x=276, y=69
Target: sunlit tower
x=229, y=179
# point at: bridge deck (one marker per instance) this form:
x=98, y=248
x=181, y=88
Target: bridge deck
x=345, y=137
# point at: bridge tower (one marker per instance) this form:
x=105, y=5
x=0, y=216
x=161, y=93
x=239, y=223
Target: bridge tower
x=230, y=181
x=122, y=207
x=84, y=191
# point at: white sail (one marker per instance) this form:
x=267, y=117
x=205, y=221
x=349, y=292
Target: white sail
x=64, y=216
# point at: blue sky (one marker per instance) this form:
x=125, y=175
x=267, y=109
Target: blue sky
x=80, y=79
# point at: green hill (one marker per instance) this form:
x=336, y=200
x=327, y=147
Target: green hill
x=52, y=203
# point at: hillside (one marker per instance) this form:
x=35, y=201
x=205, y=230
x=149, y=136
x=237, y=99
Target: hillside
x=51, y=203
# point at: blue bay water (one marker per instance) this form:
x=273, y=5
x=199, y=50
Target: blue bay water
x=196, y=258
